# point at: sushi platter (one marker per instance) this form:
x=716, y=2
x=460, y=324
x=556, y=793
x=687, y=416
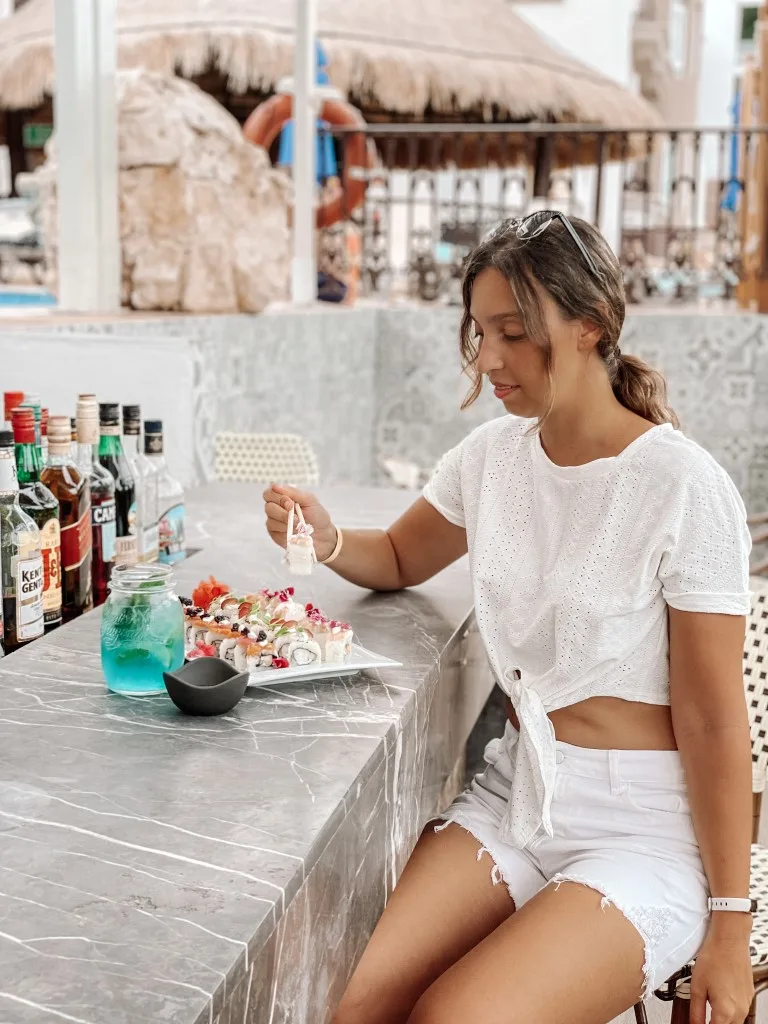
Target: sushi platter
x=271, y=635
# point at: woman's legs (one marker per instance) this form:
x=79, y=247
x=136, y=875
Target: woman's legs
x=562, y=959
x=444, y=904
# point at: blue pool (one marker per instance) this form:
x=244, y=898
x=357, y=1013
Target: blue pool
x=26, y=298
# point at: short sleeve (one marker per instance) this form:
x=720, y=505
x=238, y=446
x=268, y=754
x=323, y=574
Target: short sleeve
x=443, y=491
x=705, y=567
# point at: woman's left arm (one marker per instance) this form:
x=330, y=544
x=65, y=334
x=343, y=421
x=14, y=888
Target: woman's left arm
x=712, y=729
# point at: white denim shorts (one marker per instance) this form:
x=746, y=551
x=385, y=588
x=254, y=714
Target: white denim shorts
x=622, y=826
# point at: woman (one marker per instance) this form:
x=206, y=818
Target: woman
x=609, y=557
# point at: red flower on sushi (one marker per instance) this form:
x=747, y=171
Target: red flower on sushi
x=280, y=663
x=207, y=591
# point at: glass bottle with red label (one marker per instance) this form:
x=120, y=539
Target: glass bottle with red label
x=21, y=560
x=38, y=502
x=70, y=486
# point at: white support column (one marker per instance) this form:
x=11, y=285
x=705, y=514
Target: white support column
x=85, y=114
x=304, y=288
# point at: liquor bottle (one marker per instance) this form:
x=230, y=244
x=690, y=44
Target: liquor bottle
x=21, y=562
x=44, y=435
x=171, y=496
x=112, y=457
x=33, y=402
x=38, y=502
x=145, y=477
x=103, y=511
x=11, y=399
x=72, y=490
x=74, y=450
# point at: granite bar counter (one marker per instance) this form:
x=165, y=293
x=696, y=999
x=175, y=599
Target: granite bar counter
x=157, y=867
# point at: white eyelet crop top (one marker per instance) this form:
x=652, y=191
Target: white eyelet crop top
x=573, y=568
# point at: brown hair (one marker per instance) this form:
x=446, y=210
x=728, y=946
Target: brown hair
x=554, y=261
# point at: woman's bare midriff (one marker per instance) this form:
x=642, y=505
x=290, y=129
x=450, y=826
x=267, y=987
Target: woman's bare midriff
x=609, y=723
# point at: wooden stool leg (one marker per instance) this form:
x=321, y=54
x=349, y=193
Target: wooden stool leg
x=681, y=1005
x=641, y=1017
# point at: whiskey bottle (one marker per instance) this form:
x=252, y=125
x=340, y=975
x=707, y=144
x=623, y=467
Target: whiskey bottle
x=21, y=562
x=71, y=488
x=103, y=510
x=38, y=502
x=112, y=457
x=145, y=477
x=170, y=495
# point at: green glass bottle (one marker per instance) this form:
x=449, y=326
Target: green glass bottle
x=43, y=507
x=21, y=563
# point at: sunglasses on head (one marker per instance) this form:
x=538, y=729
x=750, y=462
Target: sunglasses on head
x=536, y=224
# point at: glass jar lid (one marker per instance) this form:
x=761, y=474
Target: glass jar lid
x=135, y=579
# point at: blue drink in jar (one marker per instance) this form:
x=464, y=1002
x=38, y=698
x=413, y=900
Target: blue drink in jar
x=142, y=629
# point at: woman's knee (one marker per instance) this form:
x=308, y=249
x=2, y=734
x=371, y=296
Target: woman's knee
x=372, y=1008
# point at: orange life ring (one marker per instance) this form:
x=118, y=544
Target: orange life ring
x=266, y=122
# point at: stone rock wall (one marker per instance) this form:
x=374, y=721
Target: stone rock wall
x=204, y=218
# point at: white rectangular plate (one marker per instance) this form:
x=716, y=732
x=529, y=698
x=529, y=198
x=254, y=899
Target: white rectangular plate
x=359, y=660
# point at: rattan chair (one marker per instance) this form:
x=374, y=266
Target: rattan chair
x=266, y=458
x=678, y=987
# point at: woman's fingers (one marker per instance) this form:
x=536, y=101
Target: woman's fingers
x=276, y=512
x=293, y=494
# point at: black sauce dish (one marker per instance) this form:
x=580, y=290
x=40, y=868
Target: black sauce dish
x=206, y=686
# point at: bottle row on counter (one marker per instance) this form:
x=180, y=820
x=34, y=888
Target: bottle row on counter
x=77, y=498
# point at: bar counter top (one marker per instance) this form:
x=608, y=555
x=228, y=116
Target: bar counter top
x=159, y=867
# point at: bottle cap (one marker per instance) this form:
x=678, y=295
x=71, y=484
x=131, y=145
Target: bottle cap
x=44, y=422
x=24, y=426
x=72, y=427
x=153, y=437
x=11, y=399
x=131, y=419
x=6, y=437
x=59, y=431
x=109, y=412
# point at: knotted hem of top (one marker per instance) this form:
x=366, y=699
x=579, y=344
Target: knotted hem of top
x=652, y=923
x=497, y=873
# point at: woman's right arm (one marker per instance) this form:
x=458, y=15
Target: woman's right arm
x=416, y=547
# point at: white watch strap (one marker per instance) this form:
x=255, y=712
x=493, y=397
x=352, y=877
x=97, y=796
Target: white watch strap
x=744, y=906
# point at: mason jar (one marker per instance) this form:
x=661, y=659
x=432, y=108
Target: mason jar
x=142, y=629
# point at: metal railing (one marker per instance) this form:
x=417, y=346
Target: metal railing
x=672, y=202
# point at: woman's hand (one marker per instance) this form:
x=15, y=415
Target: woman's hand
x=279, y=500
x=722, y=977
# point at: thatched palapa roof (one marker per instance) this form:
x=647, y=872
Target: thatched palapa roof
x=412, y=58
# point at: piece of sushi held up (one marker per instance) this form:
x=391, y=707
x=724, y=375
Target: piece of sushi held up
x=300, y=554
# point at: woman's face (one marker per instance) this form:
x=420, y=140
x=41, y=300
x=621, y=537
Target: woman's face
x=515, y=365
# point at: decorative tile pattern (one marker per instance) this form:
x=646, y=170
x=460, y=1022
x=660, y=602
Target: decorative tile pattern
x=370, y=384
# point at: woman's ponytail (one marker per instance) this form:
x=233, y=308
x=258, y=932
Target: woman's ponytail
x=641, y=388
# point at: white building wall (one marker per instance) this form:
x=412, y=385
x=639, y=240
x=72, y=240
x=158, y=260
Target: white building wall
x=598, y=32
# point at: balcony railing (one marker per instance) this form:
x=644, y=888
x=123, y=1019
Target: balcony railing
x=673, y=203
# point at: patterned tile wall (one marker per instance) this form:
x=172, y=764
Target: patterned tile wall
x=367, y=384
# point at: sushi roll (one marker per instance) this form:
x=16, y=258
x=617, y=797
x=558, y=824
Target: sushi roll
x=303, y=652
x=227, y=649
x=240, y=655
x=217, y=634
x=338, y=645
x=253, y=656
x=267, y=654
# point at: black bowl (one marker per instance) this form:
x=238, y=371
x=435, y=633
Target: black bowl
x=206, y=686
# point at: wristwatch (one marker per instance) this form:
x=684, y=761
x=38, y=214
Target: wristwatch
x=744, y=906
